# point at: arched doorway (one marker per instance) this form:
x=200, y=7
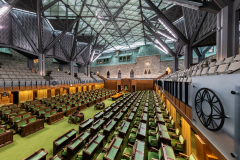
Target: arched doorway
x=119, y=74
x=108, y=74
x=131, y=74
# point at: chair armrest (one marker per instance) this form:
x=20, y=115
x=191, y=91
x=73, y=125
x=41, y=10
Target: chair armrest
x=152, y=148
x=181, y=154
x=130, y=144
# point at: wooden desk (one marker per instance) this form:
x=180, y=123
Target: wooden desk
x=109, y=127
x=107, y=110
x=168, y=153
x=82, y=107
x=138, y=150
x=134, y=110
x=98, y=115
x=160, y=118
x=56, y=157
x=70, y=111
x=162, y=127
x=141, y=134
x=145, y=110
x=118, y=116
x=32, y=127
x=39, y=155
x=55, y=118
x=144, y=118
x=92, y=146
x=116, y=96
x=115, y=110
x=124, y=110
x=130, y=117
x=6, y=137
x=76, y=144
x=96, y=126
x=113, y=149
x=85, y=125
x=79, y=115
x=61, y=141
x=108, y=116
x=124, y=128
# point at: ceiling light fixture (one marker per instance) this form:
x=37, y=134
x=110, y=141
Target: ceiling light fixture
x=161, y=49
x=97, y=57
x=92, y=55
x=167, y=28
x=164, y=48
x=3, y=10
x=170, y=38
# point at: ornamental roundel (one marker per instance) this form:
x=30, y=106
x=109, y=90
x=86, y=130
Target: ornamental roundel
x=209, y=109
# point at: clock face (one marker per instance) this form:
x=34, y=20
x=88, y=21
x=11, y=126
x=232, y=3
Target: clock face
x=209, y=109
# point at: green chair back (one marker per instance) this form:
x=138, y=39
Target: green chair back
x=191, y=157
x=6, y=112
x=3, y=108
x=54, y=112
x=160, y=153
x=27, y=115
x=22, y=112
x=181, y=139
x=48, y=109
x=47, y=114
x=157, y=136
x=1, y=130
x=16, y=119
x=22, y=123
x=32, y=120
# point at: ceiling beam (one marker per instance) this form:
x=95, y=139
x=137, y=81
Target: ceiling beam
x=85, y=47
x=74, y=40
x=161, y=41
x=204, y=37
x=197, y=52
x=60, y=36
x=168, y=23
x=82, y=30
x=115, y=15
x=210, y=7
x=204, y=15
x=187, y=4
x=9, y=6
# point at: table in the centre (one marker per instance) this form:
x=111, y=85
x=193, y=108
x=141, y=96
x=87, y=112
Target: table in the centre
x=116, y=96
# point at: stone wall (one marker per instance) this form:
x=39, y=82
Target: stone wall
x=156, y=67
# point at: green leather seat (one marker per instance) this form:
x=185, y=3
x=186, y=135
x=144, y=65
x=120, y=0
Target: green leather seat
x=32, y=120
x=100, y=156
x=177, y=144
x=153, y=132
x=1, y=130
x=79, y=155
x=128, y=152
x=175, y=133
x=132, y=137
x=153, y=140
x=155, y=155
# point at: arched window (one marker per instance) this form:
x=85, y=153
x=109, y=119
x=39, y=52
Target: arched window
x=108, y=74
x=131, y=74
x=119, y=74
x=149, y=72
x=145, y=72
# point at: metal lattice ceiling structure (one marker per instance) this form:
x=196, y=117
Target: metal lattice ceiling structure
x=119, y=24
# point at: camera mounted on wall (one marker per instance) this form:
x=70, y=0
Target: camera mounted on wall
x=5, y=94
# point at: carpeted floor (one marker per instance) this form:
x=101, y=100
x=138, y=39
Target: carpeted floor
x=23, y=147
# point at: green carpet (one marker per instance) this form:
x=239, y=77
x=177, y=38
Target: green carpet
x=23, y=147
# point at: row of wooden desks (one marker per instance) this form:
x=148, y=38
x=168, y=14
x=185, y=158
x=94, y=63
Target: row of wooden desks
x=118, y=116
x=113, y=149
x=141, y=134
x=85, y=124
x=61, y=141
x=130, y=117
x=92, y=146
x=98, y=115
x=159, y=118
x=109, y=127
x=124, y=128
x=39, y=155
x=76, y=144
x=108, y=116
x=96, y=126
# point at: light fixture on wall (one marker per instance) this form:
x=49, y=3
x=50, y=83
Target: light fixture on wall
x=147, y=63
x=35, y=60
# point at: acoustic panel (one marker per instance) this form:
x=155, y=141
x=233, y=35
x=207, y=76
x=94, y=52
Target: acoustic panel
x=5, y=30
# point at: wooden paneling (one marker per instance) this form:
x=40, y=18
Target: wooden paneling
x=186, y=133
x=211, y=157
x=53, y=93
x=84, y=88
x=189, y=112
x=111, y=84
x=182, y=107
x=25, y=95
x=174, y=100
x=201, y=148
x=72, y=90
x=42, y=93
x=177, y=103
x=144, y=85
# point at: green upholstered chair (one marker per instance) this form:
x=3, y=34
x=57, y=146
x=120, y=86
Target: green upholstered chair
x=100, y=156
x=127, y=153
x=32, y=120
x=17, y=119
x=116, y=133
x=52, y=105
x=47, y=115
x=26, y=116
x=153, y=140
x=155, y=154
x=132, y=138
x=70, y=119
x=1, y=130
x=64, y=110
x=3, y=108
x=186, y=157
x=101, y=132
x=152, y=125
x=21, y=124
x=12, y=115
x=79, y=155
x=153, y=132
x=105, y=148
x=54, y=112
x=64, y=153
x=170, y=125
x=178, y=144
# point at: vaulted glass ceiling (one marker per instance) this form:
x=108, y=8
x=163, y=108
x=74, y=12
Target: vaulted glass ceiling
x=119, y=22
